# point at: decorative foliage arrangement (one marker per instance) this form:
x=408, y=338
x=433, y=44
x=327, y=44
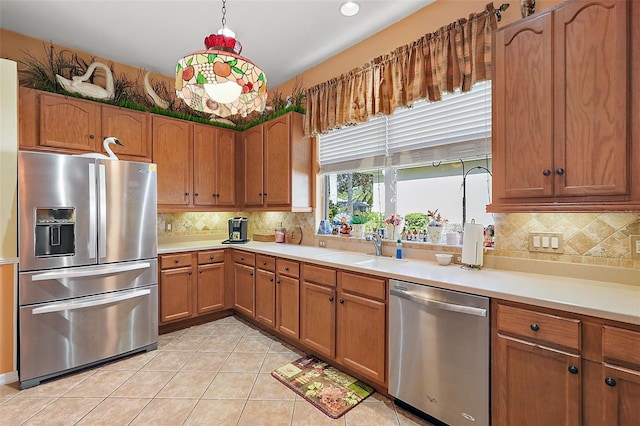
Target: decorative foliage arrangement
x=40, y=74
x=435, y=218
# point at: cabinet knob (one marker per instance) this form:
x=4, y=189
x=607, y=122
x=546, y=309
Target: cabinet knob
x=250, y=273
x=546, y=172
x=560, y=171
x=330, y=298
x=534, y=327
x=260, y=194
x=242, y=258
x=200, y=271
x=186, y=194
x=286, y=268
x=190, y=272
x=210, y=257
x=573, y=369
x=92, y=136
x=196, y=194
x=270, y=279
x=264, y=263
x=341, y=301
x=177, y=260
x=278, y=282
x=610, y=382
x=265, y=194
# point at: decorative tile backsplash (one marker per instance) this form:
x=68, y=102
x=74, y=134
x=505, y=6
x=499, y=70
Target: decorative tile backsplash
x=589, y=238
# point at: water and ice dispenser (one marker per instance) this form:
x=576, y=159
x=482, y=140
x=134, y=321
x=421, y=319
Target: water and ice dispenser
x=55, y=232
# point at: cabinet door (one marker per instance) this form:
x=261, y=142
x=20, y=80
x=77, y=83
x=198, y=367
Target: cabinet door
x=288, y=306
x=131, y=128
x=533, y=385
x=361, y=335
x=522, y=87
x=176, y=294
x=69, y=123
x=210, y=287
x=253, y=167
x=244, y=280
x=621, y=396
x=172, y=152
x=205, y=185
x=226, y=168
x=277, y=162
x=318, y=318
x=592, y=98
x=266, y=297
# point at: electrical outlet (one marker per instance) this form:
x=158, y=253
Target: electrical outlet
x=546, y=242
x=635, y=246
x=322, y=243
x=167, y=227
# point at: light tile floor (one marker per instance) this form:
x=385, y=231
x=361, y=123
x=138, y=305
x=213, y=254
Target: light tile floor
x=214, y=374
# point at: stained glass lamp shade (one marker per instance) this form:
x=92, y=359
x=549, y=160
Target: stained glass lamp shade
x=219, y=81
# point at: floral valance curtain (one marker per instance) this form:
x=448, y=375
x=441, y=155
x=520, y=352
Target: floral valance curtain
x=455, y=56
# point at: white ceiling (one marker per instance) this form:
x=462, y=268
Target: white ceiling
x=283, y=37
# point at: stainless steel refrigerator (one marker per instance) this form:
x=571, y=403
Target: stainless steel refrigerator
x=88, y=269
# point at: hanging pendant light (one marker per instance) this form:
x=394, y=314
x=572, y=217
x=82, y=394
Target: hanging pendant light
x=218, y=80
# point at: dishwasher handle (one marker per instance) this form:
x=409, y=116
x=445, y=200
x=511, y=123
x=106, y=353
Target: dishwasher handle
x=445, y=306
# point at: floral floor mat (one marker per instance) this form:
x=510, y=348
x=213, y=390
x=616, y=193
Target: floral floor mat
x=327, y=388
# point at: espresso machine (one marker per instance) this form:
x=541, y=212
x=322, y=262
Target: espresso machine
x=238, y=227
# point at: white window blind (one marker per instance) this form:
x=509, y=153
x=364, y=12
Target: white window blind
x=458, y=126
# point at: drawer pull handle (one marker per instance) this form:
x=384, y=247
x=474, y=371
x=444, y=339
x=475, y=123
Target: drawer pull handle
x=573, y=369
x=330, y=298
x=534, y=327
x=610, y=382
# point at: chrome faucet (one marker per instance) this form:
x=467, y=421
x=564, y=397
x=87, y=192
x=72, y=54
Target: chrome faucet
x=377, y=243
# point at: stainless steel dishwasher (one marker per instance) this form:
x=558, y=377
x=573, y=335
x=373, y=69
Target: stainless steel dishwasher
x=439, y=352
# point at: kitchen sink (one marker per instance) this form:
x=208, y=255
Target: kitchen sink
x=379, y=261
x=360, y=259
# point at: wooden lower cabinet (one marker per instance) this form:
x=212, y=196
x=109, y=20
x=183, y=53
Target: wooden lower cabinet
x=244, y=278
x=288, y=298
x=554, y=367
x=191, y=284
x=266, y=297
x=535, y=385
x=318, y=309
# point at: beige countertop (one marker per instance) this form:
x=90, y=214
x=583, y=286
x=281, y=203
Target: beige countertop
x=610, y=300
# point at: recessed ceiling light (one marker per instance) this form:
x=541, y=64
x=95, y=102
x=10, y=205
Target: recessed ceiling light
x=349, y=8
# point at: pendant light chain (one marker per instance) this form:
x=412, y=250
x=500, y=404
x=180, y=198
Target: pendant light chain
x=224, y=12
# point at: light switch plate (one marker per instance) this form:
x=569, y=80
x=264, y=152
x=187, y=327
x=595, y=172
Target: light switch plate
x=546, y=242
x=635, y=246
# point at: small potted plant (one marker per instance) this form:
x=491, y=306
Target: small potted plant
x=358, y=223
x=435, y=226
x=393, y=227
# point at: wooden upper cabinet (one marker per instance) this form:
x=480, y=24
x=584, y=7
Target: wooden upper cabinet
x=277, y=165
x=277, y=162
x=132, y=129
x=172, y=152
x=69, y=123
x=562, y=110
x=253, y=166
x=592, y=98
x=204, y=165
x=226, y=168
x=523, y=110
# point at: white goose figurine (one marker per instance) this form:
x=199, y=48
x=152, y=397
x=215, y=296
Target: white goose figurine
x=107, y=141
x=78, y=84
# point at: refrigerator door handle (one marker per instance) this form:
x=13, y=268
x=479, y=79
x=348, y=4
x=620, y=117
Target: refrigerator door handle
x=56, y=275
x=70, y=306
x=93, y=229
x=102, y=216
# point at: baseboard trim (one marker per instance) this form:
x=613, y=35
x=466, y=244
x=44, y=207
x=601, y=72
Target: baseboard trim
x=6, y=378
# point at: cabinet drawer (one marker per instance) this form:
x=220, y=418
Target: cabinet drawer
x=244, y=257
x=544, y=328
x=620, y=345
x=364, y=285
x=319, y=275
x=288, y=267
x=168, y=261
x=266, y=263
x=213, y=256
